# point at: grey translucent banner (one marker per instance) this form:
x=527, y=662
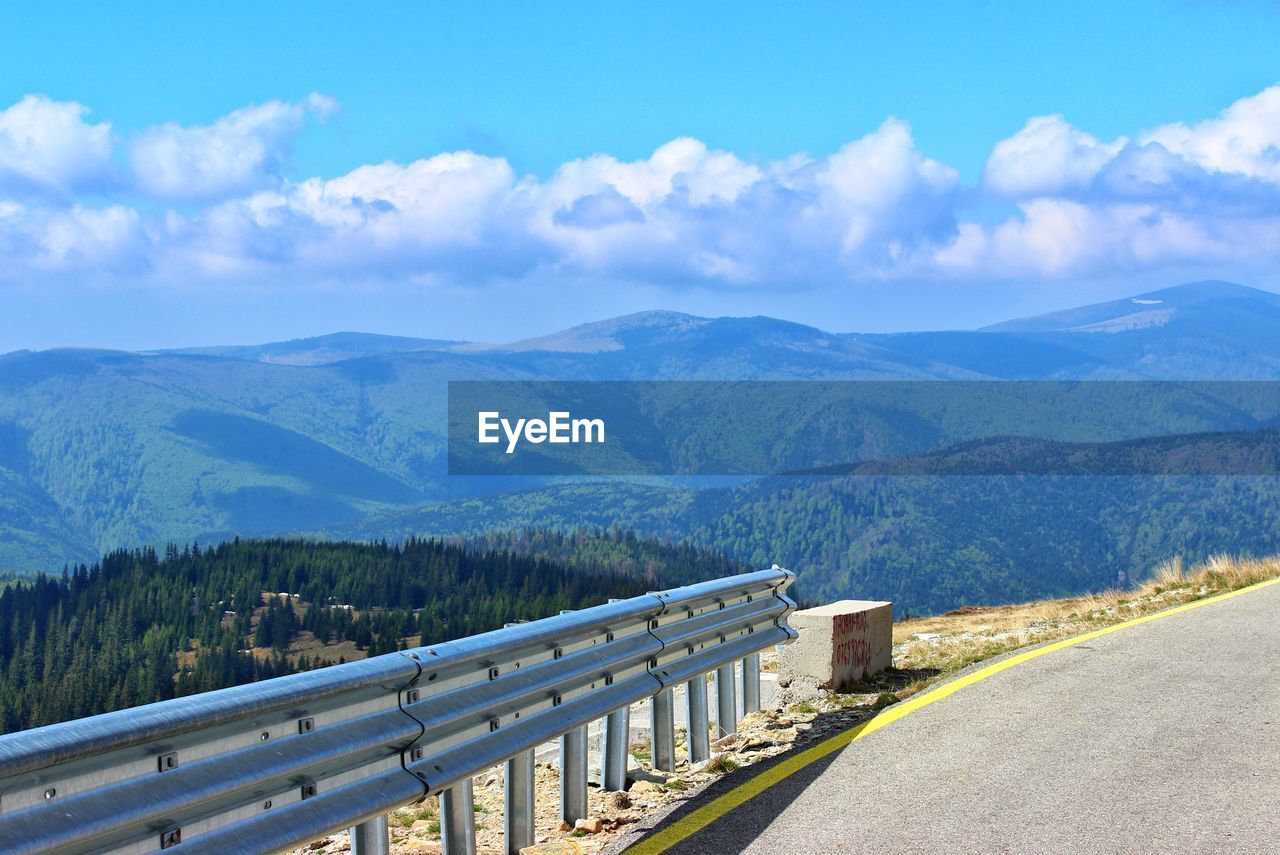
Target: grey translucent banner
x=864, y=427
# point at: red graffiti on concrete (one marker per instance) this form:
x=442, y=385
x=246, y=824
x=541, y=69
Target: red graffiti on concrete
x=849, y=637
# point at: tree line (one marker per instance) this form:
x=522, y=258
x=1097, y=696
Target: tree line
x=142, y=625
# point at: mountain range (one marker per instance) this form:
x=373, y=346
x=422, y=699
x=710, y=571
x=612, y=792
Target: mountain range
x=345, y=433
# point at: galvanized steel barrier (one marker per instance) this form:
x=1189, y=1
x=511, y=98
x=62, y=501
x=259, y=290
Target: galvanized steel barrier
x=271, y=765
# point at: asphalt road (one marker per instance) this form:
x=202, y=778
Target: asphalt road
x=1160, y=737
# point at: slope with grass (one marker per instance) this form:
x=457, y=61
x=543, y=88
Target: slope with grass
x=951, y=641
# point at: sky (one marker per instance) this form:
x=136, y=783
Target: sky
x=183, y=174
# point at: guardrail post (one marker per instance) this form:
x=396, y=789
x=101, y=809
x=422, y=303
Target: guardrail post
x=458, y=819
x=617, y=734
x=751, y=683
x=699, y=724
x=726, y=700
x=371, y=837
x=573, y=775
x=662, y=730
x=517, y=819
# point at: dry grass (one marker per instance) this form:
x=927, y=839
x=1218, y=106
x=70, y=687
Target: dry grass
x=721, y=764
x=962, y=637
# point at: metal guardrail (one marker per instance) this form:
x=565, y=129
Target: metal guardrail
x=271, y=765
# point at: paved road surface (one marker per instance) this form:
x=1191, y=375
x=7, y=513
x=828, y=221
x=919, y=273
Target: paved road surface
x=1159, y=737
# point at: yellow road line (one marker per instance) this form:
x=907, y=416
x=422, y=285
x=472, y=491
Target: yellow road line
x=747, y=790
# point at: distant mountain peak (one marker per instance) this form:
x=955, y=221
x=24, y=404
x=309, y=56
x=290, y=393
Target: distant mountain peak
x=1206, y=289
x=601, y=336
x=1151, y=309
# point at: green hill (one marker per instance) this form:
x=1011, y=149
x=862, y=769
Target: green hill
x=927, y=542
x=139, y=626
x=101, y=450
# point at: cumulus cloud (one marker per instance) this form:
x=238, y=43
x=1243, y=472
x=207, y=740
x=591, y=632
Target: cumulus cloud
x=877, y=208
x=39, y=240
x=240, y=152
x=1205, y=163
x=599, y=210
x=1060, y=237
x=48, y=147
x=684, y=214
x=690, y=214
x=682, y=166
x=1178, y=195
x=1244, y=139
x=1048, y=156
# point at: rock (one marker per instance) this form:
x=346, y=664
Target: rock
x=617, y=801
x=317, y=845
x=413, y=846
x=591, y=825
x=645, y=788
x=491, y=780
x=725, y=741
x=421, y=826
x=565, y=826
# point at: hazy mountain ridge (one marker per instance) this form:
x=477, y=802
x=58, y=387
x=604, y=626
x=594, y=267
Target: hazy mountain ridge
x=1176, y=301
x=319, y=350
x=104, y=449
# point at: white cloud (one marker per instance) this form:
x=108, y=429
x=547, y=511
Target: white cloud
x=1244, y=139
x=1048, y=156
x=81, y=237
x=1063, y=238
x=104, y=240
x=453, y=215
x=1177, y=196
x=242, y=151
x=684, y=214
x=882, y=193
x=684, y=165
x=876, y=208
x=47, y=146
x=688, y=214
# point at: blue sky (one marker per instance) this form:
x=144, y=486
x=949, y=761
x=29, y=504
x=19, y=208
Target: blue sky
x=171, y=175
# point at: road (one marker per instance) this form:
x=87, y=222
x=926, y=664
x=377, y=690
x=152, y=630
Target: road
x=1158, y=737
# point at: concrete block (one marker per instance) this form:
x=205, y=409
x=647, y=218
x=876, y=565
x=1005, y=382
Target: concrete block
x=839, y=644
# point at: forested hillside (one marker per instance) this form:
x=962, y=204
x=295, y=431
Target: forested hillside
x=105, y=449
x=101, y=450
x=928, y=543
x=140, y=626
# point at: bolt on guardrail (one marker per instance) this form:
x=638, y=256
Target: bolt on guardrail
x=271, y=765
